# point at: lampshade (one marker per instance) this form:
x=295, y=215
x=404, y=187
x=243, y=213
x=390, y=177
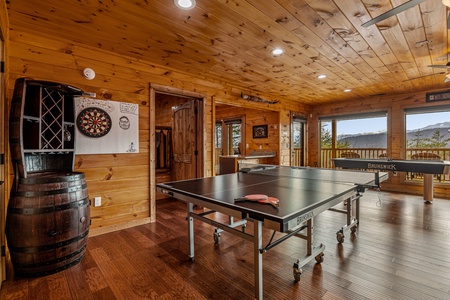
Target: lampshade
x=446, y=2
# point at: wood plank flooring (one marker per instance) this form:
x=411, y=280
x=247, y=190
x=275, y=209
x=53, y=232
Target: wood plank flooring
x=401, y=251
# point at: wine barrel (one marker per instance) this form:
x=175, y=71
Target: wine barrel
x=47, y=223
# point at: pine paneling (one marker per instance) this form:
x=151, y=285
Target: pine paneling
x=122, y=180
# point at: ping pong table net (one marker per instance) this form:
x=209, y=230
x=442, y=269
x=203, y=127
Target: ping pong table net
x=366, y=179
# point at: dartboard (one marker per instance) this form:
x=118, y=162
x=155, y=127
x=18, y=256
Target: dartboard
x=94, y=122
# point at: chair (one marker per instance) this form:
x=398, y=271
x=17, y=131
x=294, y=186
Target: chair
x=426, y=156
x=382, y=156
x=350, y=154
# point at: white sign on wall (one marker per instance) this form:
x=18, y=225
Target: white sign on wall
x=104, y=126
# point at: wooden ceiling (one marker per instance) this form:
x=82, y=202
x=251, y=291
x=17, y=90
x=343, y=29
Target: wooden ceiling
x=231, y=41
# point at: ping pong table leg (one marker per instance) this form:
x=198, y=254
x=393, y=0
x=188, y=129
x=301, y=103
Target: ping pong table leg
x=190, y=209
x=428, y=183
x=310, y=237
x=257, y=244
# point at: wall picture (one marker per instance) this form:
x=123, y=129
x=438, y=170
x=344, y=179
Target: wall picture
x=259, y=131
x=104, y=126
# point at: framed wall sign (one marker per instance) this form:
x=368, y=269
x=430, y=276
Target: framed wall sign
x=259, y=131
x=439, y=96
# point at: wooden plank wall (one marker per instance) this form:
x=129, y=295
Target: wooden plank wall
x=4, y=192
x=121, y=180
x=254, y=117
x=395, y=106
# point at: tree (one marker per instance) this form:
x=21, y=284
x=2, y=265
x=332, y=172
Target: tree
x=418, y=141
x=437, y=140
x=326, y=139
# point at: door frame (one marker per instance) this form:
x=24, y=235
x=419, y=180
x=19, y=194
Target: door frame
x=3, y=168
x=304, y=133
x=201, y=166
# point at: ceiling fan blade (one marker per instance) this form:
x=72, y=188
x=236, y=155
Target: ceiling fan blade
x=440, y=73
x=439, y=66
x=446, y=66
x=448, y=21
x=393, y=12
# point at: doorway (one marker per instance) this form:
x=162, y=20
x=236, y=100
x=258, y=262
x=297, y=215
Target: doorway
x=177, y=151
x=298, y=142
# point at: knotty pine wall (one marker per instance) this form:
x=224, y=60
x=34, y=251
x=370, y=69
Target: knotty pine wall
x=396, y=144
x=4, y=191
x=254, y=117
x=123, y=181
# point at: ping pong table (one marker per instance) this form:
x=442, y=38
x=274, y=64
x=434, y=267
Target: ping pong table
x=303, y=193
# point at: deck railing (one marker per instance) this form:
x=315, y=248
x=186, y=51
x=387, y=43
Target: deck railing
x=326, y=154
x=298, y=157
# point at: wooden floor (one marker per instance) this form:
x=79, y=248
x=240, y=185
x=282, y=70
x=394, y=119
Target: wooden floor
x=401, y=251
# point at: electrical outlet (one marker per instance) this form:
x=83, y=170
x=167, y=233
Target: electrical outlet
x=98, y=201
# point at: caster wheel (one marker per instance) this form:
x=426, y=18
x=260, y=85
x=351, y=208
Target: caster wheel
x=354, y=229
x=340, y=237
x=216, y=238
x=320, y=258
x=297, y=271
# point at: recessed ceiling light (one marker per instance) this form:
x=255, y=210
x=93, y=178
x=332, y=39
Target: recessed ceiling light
x=185, y=4
x=322, y=76
x=277, y=51
x=347, y=90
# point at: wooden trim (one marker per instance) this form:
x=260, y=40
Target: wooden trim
x=112, y=228
x=213, y=141
x=152, y=156
x=175, y=91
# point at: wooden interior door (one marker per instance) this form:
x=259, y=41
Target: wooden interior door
x=185, y=137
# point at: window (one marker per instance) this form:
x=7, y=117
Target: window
x=233, y=133
x=218, y=136
x=360, y=135
x=427, y=136
x=298, y=142
x=229, y=137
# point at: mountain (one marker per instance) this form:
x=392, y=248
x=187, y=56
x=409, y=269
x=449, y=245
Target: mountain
x=379, y=139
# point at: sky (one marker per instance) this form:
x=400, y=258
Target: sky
x=413, y=122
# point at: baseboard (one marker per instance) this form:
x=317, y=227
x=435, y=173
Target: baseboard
x=112, y=228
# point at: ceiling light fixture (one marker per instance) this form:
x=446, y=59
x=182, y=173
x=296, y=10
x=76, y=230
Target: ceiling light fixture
x=277, y=51
x=185, y=4
x=446, y=2
x=347, y=90
x=322, y=76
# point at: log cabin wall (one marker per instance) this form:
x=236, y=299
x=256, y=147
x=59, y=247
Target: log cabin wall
x=396, y=144
x=255, y=117
x=4, y=191
x=123, y=181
